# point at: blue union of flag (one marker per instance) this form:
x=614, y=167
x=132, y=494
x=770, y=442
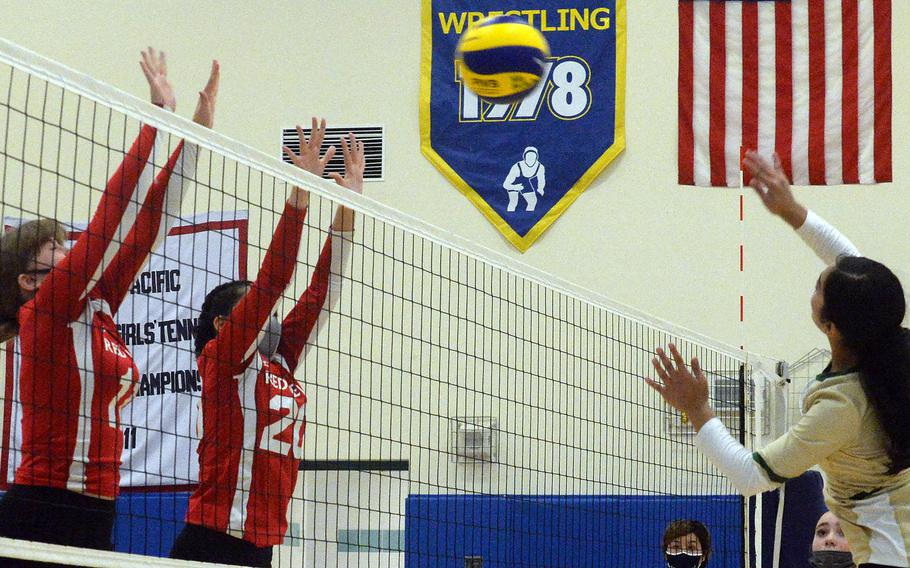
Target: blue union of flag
x=523, y=164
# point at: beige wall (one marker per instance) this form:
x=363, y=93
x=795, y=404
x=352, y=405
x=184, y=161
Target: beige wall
x=667, y=250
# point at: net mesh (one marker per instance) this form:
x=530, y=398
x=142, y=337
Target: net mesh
x=461, y=409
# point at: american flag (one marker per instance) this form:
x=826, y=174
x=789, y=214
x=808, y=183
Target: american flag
x=808, y=79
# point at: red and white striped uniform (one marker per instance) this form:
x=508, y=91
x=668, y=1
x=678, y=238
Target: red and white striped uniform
x=808, y=79
x=76, y=372
x=253, y=409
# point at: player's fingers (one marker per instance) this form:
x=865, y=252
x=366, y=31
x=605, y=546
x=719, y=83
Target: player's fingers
x=163, y=63
x=337, y=177
x=352, y=146
x=696, y=369
x=748, y=161
x=778, y=164
x=147, y=71
x=665, y=361
x=214, y=77
x=754, y=169
x=756, y=164
x=657, y=387
x=290, y=154
x=346, y=149
x=677, y=357
x=318, y=133
x=661, y=372
x=329, y=154
x=301, y=135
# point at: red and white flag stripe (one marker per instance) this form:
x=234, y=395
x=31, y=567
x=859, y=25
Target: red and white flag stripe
x=809, y=80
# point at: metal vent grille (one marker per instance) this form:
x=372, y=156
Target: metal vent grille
x=475, y=439
x=373, y=138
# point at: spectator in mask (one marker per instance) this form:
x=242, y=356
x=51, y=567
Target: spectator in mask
x=686, y=544
x=830, y=548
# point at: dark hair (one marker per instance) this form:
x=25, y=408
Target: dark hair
x=865, y=301
x=18, y=249
x=682, y=527
x=218, y=302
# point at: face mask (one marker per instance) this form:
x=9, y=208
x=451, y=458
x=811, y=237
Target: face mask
x=270, y=337
x=683, y=560
x=831, y=559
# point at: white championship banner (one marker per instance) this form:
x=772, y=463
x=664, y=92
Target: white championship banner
x=157, y=320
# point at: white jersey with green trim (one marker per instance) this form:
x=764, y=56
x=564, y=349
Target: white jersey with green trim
x=840, y=432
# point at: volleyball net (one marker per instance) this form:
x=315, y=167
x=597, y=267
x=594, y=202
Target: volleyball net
x=462, y=409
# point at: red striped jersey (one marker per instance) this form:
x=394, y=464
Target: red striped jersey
x=76, y=371
x=807, y=79
x=253, y=409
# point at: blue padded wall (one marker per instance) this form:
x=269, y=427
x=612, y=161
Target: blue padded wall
x=550, y=530
x=148, y=523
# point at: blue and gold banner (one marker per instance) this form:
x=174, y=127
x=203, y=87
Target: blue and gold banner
x=523, y=164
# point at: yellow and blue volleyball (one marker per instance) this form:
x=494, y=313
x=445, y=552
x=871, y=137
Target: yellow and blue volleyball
x=502, y=58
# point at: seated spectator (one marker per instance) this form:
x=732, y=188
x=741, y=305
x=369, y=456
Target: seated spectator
x=686, y=544
x=830, y=548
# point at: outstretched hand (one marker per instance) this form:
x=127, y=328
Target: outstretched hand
x=154, y=67
x=205, y=106
x=684, y=390
x=769, y=180
x=308, y=158
x=354, y=164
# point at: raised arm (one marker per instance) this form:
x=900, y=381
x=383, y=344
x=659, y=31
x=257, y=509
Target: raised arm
x=73, y=277
x=830, y=422
x=770, y=183
x=826, y=241
x=165, y=195
x=320, y=297
x=317, y=301
x=147, y=231
x=296, y=327
x=238, y=338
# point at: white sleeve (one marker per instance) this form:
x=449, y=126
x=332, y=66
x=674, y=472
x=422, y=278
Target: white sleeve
x=732, y=459
x=825, y=241
x=342, y=242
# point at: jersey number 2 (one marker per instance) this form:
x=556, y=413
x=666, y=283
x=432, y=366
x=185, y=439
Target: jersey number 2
x=270, y=437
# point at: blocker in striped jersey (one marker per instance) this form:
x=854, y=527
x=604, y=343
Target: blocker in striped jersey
x=808, y=79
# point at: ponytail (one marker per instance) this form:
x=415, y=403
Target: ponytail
x=865, y=301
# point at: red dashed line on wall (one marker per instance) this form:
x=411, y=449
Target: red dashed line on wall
x=742, y=249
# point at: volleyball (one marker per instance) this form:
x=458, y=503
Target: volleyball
x=502, y=58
